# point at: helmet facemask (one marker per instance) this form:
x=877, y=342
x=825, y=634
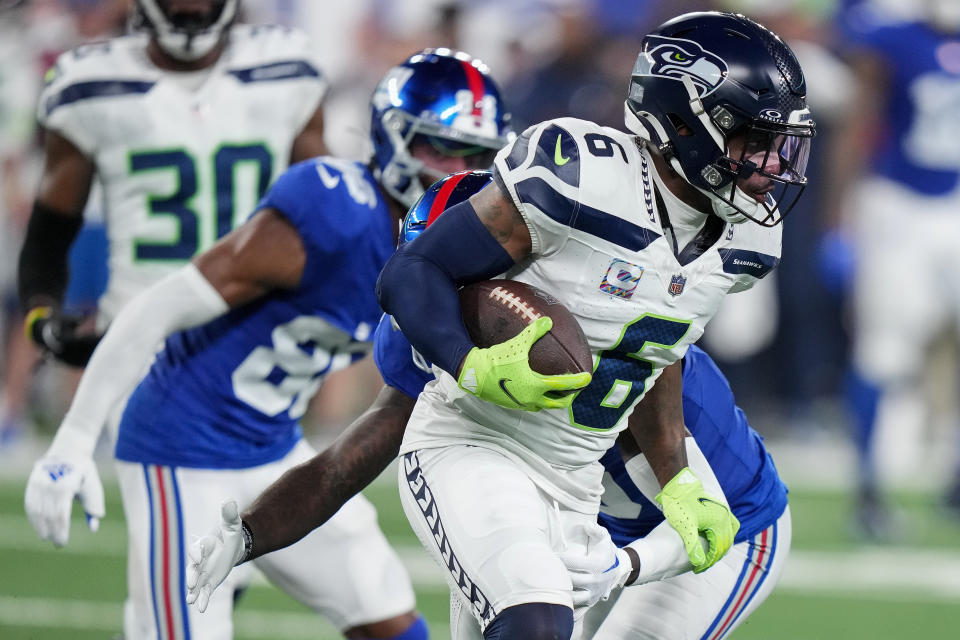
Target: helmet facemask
x=761, y=174
x=187, y=35
x=404, y=176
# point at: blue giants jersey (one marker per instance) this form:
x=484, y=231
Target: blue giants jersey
x=734, y=450
x=399, y=363
x=917, y=145
x=228, y=394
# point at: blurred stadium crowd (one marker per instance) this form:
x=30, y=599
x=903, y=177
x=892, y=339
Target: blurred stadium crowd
x=786, y=346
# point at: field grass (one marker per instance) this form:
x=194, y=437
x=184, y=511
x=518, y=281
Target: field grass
x=832, y=588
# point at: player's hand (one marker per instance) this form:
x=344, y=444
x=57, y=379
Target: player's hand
x=54, y=482
x=501, y=374
x=693, y=513
x=58, y=336
x=597, y=574
x=212, y=557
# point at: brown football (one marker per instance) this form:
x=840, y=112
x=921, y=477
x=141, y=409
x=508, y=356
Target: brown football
x=497, y=310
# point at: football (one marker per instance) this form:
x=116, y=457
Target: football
x=496, y=310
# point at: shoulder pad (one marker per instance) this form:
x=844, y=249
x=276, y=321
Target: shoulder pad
x=579, y=175
x=257, y=45
x=107, y=68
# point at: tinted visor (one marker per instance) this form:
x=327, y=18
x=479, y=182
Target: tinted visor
x=476, y=156
x=775, y=153
x=767, y=165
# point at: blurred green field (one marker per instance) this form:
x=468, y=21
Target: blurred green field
x=832, y=587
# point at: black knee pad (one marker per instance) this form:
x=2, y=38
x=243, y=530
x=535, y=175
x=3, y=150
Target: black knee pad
x=534, y=621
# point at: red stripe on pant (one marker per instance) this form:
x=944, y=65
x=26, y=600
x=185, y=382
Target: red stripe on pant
x=165, y=542
x=757, y=568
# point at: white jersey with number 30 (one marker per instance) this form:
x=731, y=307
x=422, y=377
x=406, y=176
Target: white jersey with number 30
x=590, y=199
x=182, y=157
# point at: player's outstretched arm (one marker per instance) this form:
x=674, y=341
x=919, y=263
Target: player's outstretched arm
x=657, y=425
x=662, y=553
x=308, y=495
x=303, y=498
x=263, y=254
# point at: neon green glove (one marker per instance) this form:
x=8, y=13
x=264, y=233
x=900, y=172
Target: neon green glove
x=692, y=512
x=501, y=374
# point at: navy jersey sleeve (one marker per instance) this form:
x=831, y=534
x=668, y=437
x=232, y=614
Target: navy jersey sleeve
x=400, y=366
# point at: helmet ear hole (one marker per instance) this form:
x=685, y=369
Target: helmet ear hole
x=678, y=123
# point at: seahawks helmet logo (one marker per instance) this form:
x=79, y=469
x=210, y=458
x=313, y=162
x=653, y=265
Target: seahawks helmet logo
x=675, y=57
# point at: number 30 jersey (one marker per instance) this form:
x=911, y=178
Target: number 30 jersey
x=592, y=201
x=181, y=157
x=228, y=394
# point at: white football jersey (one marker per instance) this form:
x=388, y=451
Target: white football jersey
x=182, y=157
x=589, y=198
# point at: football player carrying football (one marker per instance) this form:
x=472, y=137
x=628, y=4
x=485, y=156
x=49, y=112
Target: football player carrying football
x=252, y=327
x=184, y=123
x=640, y=237
x=715, y=602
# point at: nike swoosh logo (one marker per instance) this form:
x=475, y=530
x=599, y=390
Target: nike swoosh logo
x=503, y=387
x=616, y=563
x=558, y=155
x=709, y=501
x=329, y=181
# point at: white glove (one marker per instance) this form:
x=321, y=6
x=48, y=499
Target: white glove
x=213, y=556
x=596, y=575
x=54, y=482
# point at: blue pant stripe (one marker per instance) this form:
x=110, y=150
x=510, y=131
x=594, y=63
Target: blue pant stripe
x=765, y=571
x=736, y=588
x=153, y=569
x=181, y=557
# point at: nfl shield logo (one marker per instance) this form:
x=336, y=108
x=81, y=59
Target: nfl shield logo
x=676, y=285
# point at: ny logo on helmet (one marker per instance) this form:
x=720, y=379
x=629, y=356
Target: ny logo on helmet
x=676, y=57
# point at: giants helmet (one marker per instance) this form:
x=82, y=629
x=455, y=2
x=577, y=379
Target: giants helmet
x=439, y=97
x=705, y=78
x=441, y=195
x=186, y=35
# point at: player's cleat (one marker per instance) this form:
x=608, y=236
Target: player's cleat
x=873, y=518
x=951, y=499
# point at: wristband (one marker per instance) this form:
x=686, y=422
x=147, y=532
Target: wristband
x=635, y=563
x=247, y=543
x=36, y=314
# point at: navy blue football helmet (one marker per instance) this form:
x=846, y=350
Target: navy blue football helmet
x=441, y=195
x=438, y=97
x=706, y=79
x=186, y=35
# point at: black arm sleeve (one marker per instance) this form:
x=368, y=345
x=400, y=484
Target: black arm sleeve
x=418, y=285
x=42, y=273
